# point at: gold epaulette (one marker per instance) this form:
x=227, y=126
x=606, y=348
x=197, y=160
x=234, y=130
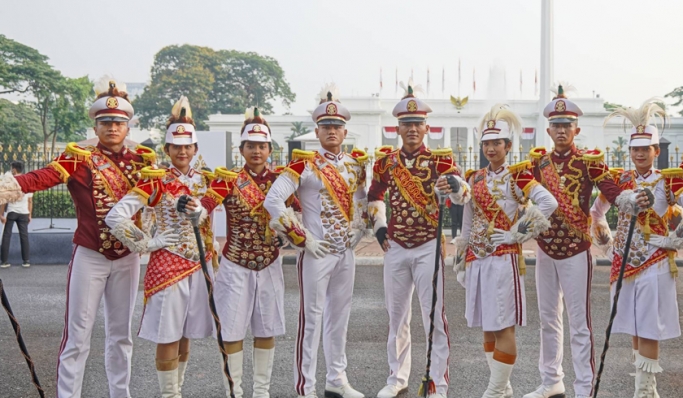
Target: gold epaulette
x=594, y=155
x=79, y=153
x=674, y=172
x=537, y=152
x=225, y=174
x=442, y=152
x=521, y=166
x=148, y=154
x=150, y=172
x=360, y=155
x=303, y=155
x=209, y=175
x=383, y=151
x=469, y=173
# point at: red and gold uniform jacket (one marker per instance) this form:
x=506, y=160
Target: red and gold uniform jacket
x=96, y=178
x=159, y=189
x=409, y=179
x=250, y=241
x=666, y=186
x=570, y=178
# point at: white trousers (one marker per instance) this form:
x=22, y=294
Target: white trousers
x=180, y=310
x=648, y=307
x=570, y=279
x=325, y=289
x=407, y=270
x=247, y=298
x=91, y=277
x=495, y=298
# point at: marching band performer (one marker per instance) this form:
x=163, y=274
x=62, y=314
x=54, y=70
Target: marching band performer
x=101, y=266
x=176, y=299
x=647, y=308
x=491, y=244
x=412, y=175
x=331, y=188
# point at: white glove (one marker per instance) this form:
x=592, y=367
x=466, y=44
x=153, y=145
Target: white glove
x=355, y=236
x=665, y=242
x=501, y=237
x=163, y=239
x=318, y=248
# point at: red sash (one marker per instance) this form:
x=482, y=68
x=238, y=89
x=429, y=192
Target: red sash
x=413, y=191
x=335, y=184
x=115, y=182
x=575, y=219
x=249, y=192
x=494, y=214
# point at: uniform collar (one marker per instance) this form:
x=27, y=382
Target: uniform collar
x=331, y=156
x=111, y=154
x=498, y=170
x=566, y=154
x=414, y=154
x=179, y=173
x=253, y=174
x=644, y=176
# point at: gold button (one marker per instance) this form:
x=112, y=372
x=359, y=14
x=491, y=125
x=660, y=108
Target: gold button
x=101, y=250
x=99, y=222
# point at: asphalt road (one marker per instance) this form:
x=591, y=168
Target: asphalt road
x=37, y=296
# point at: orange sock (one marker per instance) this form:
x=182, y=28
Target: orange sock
x=504, y=357
x=489, y=346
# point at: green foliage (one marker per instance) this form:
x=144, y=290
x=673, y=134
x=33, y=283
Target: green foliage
x=224, y=81
x=297, y=129
x=677, y=93
x=19, y=124
x=610, y=107
x=60, y=102
x=57, y=204
x=619, y=151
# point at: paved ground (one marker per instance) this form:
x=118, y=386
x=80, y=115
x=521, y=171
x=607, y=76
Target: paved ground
x=37, y=297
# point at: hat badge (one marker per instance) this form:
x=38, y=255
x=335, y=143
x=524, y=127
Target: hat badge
x=331, y=109
x=411, y=106
x=112, y=103
x=640, y=129
x=181, y=129
x=560, y=106
x=490, y=124
x=257, y=128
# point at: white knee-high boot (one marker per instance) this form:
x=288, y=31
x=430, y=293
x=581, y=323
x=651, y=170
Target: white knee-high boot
x=499, y=380
x=646, y=382
x=168, y=379
x=508, y=388
x=182, y=367
x=263, y=368
x=235, y=365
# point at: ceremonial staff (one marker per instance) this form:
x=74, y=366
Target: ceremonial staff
x=20, y=340
x=180, y=207
x=617, y=290
x=427, y=386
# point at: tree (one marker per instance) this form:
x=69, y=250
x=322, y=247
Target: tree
x=297, y=129
x=60, y=102
x=677, y=93
x=610, y=106
x=19, y=124
x=224, y=81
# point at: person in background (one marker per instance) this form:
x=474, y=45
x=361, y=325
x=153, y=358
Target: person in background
x=19, y=212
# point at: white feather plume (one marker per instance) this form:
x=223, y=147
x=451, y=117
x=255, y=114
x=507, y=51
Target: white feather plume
x=566, y=87
x=249, y=113
x=406, y=91
x=642, y=116
x=328, y=88
x=182, y=103
x=502, y=112
x=102, y=85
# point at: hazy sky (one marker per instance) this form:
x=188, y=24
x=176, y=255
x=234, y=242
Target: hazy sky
x=625, y=50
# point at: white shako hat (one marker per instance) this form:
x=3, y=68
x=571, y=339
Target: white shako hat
x=255, y=128
x=499, y=123
x=561, y=109
x=112, y=103
x=410, y=108
x=329, y=109
x=181, y=129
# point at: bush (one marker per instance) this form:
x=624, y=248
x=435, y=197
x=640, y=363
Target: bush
x=53, y=203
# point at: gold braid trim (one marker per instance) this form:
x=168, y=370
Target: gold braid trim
x=423, y=212
x=291, y=174
x=148, y=154
x=442, y=152
x=379, y=153
x=334, y=197
x=303, y=155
